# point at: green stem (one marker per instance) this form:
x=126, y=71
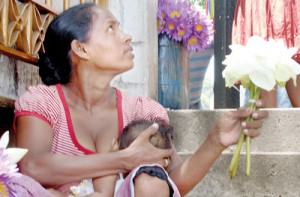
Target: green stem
x=235, y=159
x=254, y=95
x=248, y=139
x=248, y=161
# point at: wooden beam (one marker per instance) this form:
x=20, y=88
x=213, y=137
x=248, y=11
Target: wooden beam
x=18, y=55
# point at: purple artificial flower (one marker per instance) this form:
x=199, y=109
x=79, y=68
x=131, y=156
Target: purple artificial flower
x=161, y=21
x=7, y=170
x=182, y=31
x=174, y=17
x=6, y=167
x=4, y=187
x=184, y=23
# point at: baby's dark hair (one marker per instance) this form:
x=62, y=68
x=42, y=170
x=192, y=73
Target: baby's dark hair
x=73, y=23
x=162, y=139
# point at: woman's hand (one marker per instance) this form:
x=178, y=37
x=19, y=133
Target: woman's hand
x=227, y=129
x=141, y=151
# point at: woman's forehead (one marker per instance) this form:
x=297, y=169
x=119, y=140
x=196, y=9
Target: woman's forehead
x=104, y=16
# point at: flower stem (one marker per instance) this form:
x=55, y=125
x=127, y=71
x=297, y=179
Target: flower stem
x=236, y=156
x=254, y=95
x=248, y=161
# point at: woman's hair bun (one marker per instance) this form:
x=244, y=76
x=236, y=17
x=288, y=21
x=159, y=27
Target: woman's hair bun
x=51, y=73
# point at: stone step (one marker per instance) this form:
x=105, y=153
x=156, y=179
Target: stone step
x=275, y=155
x=280, y=131
x=272, y=175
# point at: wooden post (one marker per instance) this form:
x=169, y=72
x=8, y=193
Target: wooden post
x=5, y=22
x=49, y=3
x=66, y=4
x=29, y=30
x=103, y=3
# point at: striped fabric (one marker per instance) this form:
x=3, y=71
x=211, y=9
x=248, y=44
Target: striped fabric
x=210, y=8
x=198, y=64
x=49, y=104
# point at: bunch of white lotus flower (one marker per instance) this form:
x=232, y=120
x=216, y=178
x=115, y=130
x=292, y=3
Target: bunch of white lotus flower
x=264, y=63
x=260, y=64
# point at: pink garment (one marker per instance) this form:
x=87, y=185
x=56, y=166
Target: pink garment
x=126, y=189
x=49, y=104
x=24, y=186
x=277, y=19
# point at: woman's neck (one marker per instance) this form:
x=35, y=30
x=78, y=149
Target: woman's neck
x=88, y=95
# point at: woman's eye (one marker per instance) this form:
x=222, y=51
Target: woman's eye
x=110, y=28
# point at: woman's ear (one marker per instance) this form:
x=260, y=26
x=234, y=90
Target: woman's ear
x=78, y=49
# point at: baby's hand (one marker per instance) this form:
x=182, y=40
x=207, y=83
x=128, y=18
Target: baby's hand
x=56, y=193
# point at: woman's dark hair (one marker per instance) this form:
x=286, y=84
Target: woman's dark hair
x=162, y=139
x=74, y=23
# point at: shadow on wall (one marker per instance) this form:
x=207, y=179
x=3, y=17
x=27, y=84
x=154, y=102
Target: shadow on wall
x=6, y=121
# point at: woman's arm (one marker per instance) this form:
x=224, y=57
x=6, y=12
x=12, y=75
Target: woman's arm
x=55, y=169
x=225, y=133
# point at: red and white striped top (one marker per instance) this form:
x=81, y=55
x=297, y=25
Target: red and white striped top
x=49, y=104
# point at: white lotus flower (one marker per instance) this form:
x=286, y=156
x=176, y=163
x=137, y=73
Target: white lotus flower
x=259, y=65
x=15, y=154
x=264, y=63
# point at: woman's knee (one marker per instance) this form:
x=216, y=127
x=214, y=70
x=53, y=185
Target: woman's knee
x=146, y=185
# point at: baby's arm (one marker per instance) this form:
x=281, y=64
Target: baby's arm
x=104, y=186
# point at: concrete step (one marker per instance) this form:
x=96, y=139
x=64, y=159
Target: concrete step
x=275, y=155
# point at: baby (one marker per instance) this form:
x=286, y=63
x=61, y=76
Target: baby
x=162, y=139
x=106, y=186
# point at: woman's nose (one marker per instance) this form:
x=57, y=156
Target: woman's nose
x=127, y=38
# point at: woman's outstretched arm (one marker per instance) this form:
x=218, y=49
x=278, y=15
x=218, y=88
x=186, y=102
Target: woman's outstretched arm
x=225, y=133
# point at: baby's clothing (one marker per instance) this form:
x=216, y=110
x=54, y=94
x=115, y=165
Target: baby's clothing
x=125, y=187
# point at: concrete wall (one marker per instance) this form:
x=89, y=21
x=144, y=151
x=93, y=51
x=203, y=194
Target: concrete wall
x=138, y=18
x=275, y=155
x=15, y=77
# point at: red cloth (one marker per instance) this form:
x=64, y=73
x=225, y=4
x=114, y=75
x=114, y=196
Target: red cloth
x=269, y=19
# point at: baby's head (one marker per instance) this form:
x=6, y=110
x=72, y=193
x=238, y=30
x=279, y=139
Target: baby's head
x=162, y=138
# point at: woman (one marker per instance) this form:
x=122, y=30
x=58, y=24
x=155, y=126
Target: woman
x=69, y=123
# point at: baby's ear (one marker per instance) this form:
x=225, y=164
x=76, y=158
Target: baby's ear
x=114, y=145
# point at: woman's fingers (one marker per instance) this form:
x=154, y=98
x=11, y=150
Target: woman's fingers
x=147, y=152
x=260, y=103
x=260, y=114
x=252, y=128
x=149, y=132
x=242, y=112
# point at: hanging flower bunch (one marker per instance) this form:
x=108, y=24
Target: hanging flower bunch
x=185, y=23
x=259, y=65
x=8, y=167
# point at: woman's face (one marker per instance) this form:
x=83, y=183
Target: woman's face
x=108, y=47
